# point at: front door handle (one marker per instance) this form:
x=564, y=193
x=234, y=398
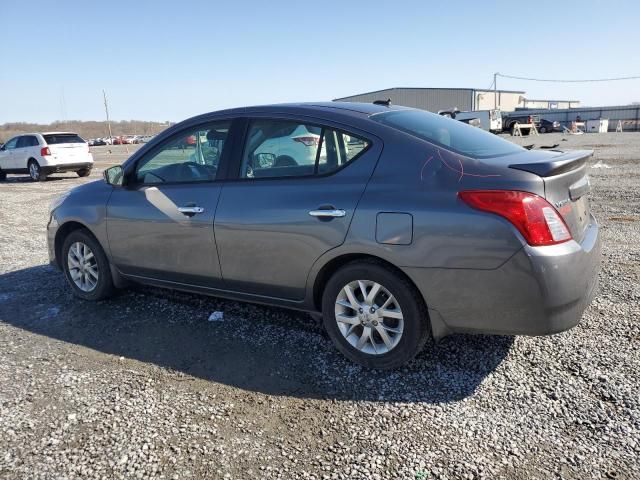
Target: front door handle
x=333, y=213
x=191, y=210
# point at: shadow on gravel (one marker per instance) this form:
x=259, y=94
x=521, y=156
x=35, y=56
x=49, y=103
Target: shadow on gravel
x=258, y=349
x=27, y=179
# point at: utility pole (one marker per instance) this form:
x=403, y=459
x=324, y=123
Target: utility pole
x=106, y=109
x=495, y=91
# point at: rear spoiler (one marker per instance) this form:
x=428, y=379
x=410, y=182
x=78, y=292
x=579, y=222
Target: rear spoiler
x=565, y=162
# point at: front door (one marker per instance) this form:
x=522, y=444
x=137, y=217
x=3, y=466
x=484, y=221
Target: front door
x=160, y=225
x=7, y=154
x=297, y=190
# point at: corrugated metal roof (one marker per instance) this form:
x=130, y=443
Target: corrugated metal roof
x=426, y=88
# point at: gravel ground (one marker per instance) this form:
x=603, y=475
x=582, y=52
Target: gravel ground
x=143, y=386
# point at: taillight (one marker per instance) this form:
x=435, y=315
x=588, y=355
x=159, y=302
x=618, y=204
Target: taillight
x=44, y=151
x=308, y=141
x=535, y=218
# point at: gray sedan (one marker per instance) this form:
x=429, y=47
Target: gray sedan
x=396, y=225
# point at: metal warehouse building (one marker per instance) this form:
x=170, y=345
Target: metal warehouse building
x=464, y=99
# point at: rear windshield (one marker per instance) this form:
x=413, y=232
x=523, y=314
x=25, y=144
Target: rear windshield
x=54, y=138
x=451, y=134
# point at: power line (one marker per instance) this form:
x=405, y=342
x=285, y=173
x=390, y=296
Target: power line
x=590, y=80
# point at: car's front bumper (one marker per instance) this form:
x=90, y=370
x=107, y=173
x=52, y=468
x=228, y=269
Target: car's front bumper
x=538, y=291
x=52, y=230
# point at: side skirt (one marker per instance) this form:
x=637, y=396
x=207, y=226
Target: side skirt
x=227, y=294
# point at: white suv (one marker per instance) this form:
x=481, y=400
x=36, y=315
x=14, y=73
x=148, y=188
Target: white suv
x=40, y=154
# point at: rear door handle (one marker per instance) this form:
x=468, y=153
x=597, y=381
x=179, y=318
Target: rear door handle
x=334, y=213
x=190, y=211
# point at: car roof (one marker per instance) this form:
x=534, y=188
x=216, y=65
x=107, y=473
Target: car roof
x=351, y=108
x=58, y=133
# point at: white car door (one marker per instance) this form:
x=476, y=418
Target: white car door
x=31, y=149
x=6, y=154
x=21, y=153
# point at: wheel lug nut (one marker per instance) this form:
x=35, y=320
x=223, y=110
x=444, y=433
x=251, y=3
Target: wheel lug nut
x=360, y=310
x=373, y=310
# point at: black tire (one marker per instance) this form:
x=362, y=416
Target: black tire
x=104, y=286
x=3, y=176
x=85, y=172
x=35, y=171
x=512, y=128
x=416, y=330
x=542, y=130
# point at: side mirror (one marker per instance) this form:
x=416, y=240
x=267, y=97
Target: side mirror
x=114, y=175
x=265, y=160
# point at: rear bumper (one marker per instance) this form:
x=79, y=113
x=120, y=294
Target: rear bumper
x=538, y=291
x=66, y=167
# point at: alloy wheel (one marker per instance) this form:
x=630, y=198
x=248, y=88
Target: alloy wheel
x=83, y=267
x=33, y=171
x=369, y=317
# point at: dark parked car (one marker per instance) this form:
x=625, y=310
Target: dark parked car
x=547, y=126
x=509, y=122
x=400, y=226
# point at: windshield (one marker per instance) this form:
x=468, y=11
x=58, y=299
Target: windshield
x=54, y=138
x=451, y=134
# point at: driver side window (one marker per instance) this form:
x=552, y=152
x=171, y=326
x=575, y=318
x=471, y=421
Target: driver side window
x=192, y=156
x=11, y=144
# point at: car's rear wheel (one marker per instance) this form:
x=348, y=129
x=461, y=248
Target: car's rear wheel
x=85, y=172
x=374, y=316
x=542, y=129
x=35, y=171
x=86, y=266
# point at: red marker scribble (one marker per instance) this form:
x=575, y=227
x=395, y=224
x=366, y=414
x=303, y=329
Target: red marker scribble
x=460, y=171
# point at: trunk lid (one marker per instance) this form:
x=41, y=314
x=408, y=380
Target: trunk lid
x=566, y=185
x=67, y=147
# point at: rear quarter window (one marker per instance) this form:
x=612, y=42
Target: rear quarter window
x=451, y=134
x=56, y=138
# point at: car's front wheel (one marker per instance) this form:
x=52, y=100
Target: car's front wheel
x=374, y=316
x=86, y=266
x=35, y=171
x=85, y=172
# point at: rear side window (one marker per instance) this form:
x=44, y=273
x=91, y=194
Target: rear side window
x=282, y=148
x=449, y=133
x=55, y=138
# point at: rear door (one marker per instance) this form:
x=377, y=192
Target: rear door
x=31, y=149
x=21, y=153
x=283, y=212
x=160, y=226
x=66, y=148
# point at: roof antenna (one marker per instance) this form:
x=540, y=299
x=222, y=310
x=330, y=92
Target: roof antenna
x=385, y=103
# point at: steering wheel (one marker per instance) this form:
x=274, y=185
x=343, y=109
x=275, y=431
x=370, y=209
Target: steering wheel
x=154, y=174
x=188, y=168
